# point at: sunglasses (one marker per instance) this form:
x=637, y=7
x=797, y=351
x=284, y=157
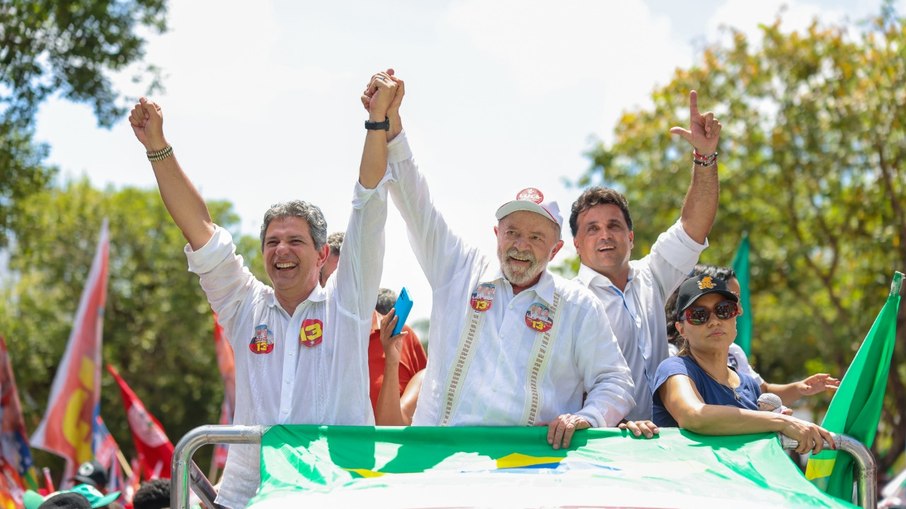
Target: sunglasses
x=699, y=315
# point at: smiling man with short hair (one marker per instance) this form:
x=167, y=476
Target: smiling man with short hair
x=634, y=292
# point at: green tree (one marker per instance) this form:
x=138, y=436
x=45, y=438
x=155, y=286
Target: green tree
x=69, y=48
x=158, y=326
x=813, y=166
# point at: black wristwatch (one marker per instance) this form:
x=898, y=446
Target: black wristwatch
x=378, y=126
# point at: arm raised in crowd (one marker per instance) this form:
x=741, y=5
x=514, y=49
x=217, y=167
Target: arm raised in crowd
x=183, y=202
x=381, y=92
x=388, y=410
x=700, y=203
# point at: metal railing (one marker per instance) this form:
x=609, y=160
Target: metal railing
x=183, y=469
x=866, y=477
x=184, y=472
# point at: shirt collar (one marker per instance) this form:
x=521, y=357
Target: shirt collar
x=319, y=294
x=544, y=288
x=590, y=277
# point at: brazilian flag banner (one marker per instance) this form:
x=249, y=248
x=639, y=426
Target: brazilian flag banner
x=856, y=407
x=425, y=467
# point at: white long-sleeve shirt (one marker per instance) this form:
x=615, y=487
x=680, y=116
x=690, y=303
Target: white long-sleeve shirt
x=637, y=312
x=308, y=368
x=508, y=370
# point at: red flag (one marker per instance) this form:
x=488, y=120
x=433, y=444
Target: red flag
x=69, y=419
x=14, y=449
x=151, y=443
x=104, y=445
x=227, y=367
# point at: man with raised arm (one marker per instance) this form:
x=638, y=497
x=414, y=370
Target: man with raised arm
x=634, y=292
x=511, y=343
x=300, y=349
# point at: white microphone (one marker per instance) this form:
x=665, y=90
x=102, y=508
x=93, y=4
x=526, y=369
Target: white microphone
x=770, y=402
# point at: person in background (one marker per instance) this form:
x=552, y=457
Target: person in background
x=153, y=494
x=789, y=393
x=409, y=356
x=395, y=408
x=696, y=390
x=92, y=473
x=80, y=496
x=335, y=241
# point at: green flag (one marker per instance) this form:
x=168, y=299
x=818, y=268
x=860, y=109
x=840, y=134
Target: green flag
x=856, y=407
x=421, y=466
x=744, y=322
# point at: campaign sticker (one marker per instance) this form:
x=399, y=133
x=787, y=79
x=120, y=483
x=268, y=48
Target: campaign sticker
x=538, y=317
x=312, y=332
x=483, y=297
x=263, y=341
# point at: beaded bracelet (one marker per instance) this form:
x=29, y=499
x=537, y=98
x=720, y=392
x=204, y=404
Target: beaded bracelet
x=704, y=160
x=160, y=155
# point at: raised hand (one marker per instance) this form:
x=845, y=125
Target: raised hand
x=396, y=123
x=379, y=94
x=704, y=130
x=392, y=345
x=147, y=122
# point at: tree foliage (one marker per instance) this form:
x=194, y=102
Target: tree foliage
x=69, y=48
x=812, y=166
x=158, y=326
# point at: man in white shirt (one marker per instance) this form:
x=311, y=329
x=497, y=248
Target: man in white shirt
x=300, y=349
x=511, y=343
x=634, y=292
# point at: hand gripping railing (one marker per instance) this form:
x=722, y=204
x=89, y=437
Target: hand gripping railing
x=866, y=476
x=184, y=469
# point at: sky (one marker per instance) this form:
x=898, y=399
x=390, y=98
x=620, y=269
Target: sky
x=261, y=99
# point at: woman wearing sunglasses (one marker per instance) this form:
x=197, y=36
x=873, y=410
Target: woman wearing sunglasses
x=698, y=391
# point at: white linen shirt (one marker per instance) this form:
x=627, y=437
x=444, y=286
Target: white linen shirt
x=280, y=380
x=637, y=313
x=495, y=386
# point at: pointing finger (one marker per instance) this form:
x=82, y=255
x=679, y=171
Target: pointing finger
x=693, y=104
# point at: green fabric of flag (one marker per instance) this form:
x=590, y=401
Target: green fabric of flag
x=744, y=322
x=855, y=409
x=351, y=466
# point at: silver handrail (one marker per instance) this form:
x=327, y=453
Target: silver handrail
x=181, y=471
x=866, y=476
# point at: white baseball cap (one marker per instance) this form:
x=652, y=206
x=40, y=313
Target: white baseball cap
x=531, y=199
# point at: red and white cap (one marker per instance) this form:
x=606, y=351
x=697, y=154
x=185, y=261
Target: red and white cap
x=532, y=200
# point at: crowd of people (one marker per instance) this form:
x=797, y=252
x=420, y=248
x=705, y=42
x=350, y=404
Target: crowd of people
x=89, y=491
x=512, y=343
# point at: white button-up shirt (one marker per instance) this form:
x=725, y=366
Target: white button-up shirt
x=637, y=312
x=308, y=368
x=509, y=376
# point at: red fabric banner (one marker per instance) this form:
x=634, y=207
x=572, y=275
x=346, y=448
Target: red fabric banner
x=226, y=363
x=66, y=429
x=151, y=443
x=14, y=449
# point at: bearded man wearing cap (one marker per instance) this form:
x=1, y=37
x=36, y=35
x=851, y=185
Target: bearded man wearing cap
x=491, y=360
x=634, y=292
